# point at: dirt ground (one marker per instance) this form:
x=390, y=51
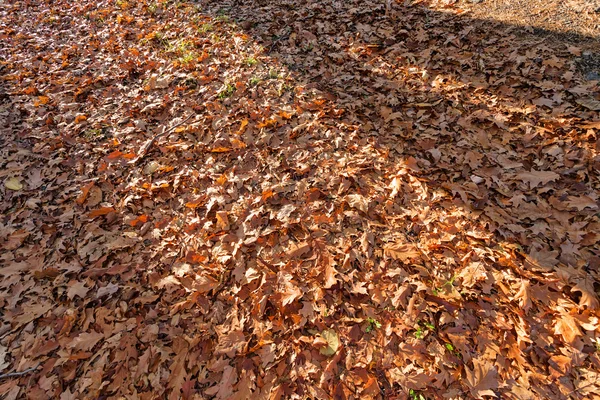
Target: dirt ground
x=573, y=21
x=580, y=17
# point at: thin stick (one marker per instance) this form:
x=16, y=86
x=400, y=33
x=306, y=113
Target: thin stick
x=148, y=144
x=15, y=374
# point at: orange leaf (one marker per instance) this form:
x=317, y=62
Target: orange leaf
x=115, y=155
x=139, y=220
x=101, y=211
x=322, y=219
x=285, y=114
x=84, y=193
x=222, y=180
x=30, y=90
x=266, y=194
x=267, y=123
x=43, y=100
x=220, y=149
x=242, y=127
x=80, y=118
x=238, y=144
x=195, y=204
x=194, y=258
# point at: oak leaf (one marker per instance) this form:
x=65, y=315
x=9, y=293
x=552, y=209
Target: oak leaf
x=535, y=178
x=402, y=251
x=357, y=201
x=85, y=341
x=230, y=342
x=590, y=103
x=581, y=202
x=588, y=293
x=566, y=326
x=482, y=379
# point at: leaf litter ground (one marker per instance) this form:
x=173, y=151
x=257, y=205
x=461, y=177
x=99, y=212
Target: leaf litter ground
x=312, y=199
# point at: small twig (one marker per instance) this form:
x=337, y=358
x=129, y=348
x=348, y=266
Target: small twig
x=149, y=143
x=279, y=39
x=15, y=374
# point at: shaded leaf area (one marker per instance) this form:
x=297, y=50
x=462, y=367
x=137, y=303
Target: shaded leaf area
x=305, y=200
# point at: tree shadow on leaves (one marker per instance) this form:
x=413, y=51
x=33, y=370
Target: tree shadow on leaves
x=471, y=143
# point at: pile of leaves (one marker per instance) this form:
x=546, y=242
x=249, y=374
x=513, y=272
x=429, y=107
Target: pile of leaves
x=308, y=199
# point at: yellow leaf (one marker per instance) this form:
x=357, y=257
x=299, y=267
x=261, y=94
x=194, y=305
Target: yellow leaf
x=13, y=184
x=333, y=342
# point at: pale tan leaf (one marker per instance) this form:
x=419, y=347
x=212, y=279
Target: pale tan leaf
x=357, y=201
x=85, y=341
x=13, y=184
x=3, y=358
x=333, y=342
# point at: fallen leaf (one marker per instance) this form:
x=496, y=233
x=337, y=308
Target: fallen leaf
x=482, y=379
x=566, y=326
x=535, y=178
x=13, y=184
x=589, y=103
x=333, y=342
x=402, y=251
x=357, y=201
x=100, y=212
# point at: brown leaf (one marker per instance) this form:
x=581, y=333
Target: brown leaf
x=85, y=341
x=588, y=293
x=566, y=326
x=536, y=178
x=230, y=342
x=402, y=251
x=589, y=103
x=581, y=202
x=482, y=380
